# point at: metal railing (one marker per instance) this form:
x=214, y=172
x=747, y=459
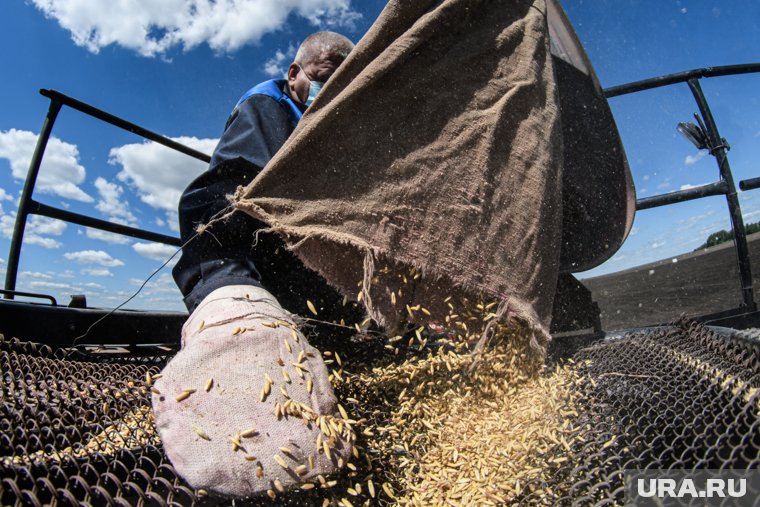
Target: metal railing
x=718, y=147
x=28, y=206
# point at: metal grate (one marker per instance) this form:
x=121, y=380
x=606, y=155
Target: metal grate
x=681, y=397
x=76, y=428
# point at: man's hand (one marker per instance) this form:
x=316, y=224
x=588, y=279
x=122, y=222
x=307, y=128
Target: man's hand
x=246, y=406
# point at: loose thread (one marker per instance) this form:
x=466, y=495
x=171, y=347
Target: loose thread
x=369, y=272
x=201, y=229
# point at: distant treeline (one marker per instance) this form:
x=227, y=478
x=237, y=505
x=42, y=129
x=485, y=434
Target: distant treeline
x=716, y=238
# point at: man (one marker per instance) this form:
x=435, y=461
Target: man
x=259, y=125
x=226, y=424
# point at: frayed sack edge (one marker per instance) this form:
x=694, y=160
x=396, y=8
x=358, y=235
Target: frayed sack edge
x=511, y=311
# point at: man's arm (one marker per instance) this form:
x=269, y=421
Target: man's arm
x=254, y=133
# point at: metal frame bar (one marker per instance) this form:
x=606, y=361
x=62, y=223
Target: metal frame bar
x=30, y=295
x=681, y=77
x=122, y=124
x=718, y=150
x=749, y=184
x=717, y=147
x=26, y=196
x=725, y=186
x=28, y=206
x=710, y=189
x=38, y=208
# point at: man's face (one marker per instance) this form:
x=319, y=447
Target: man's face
x=320, y=70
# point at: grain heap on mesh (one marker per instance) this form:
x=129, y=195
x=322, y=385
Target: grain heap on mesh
x=134, y=429
x=438, y=434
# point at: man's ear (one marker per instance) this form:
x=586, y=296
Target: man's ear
x=293, y=72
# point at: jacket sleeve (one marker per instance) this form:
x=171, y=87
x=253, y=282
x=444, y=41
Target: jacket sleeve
x=254, y=132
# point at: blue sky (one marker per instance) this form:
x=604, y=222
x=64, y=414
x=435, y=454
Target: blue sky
x=182, y=74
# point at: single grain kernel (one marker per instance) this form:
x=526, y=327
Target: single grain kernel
x=184, y=395
x=201, y=433
x=251, y=432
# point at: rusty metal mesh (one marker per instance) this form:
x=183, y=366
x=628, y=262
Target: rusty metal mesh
x=76, y=428
x=681, y=397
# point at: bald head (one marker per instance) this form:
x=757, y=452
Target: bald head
x=316, y=60
x=321, y=45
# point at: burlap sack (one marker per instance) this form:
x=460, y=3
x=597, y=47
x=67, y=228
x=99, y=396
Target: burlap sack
x=436, y=145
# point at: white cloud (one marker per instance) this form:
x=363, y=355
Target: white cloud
x=49, y=243
x=93, y=257
x=154, y=28
x=161, y=289
x=108, y=237
x=5, y=196
x=160, y=174
x=50, y=285
x=172, y=217
x=44, y=225
x=35, y=274
x=60, y=173
x=112, y=204
x=277, y=66
x=37, y=230
x=693, y=159
x=155, y=251
x=688, y=186
x=97, y=272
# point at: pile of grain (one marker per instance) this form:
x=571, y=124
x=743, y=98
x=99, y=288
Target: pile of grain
x=436, y=434
x=135, y=429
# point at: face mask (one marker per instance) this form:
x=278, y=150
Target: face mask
x=314, y=88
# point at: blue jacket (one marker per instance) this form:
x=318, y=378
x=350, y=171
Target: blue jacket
x=258, y=126
x=274, y=88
